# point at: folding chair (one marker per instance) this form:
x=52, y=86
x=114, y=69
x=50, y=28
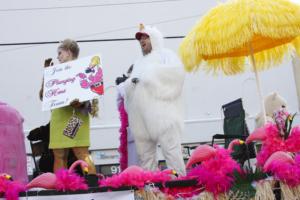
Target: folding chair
x=37, y=149
x=41, y=154
x=235, y=127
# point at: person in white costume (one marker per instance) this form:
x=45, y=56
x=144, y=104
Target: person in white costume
x=153, y=100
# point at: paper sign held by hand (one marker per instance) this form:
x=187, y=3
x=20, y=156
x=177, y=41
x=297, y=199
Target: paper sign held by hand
x=80, y=79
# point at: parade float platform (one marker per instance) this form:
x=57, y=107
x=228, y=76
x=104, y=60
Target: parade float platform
x=149, y=192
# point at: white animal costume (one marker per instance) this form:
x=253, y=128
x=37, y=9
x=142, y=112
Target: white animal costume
x=154, y=105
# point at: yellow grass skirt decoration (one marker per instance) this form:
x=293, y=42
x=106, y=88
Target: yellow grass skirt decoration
x=264, y=190
x=223, y=38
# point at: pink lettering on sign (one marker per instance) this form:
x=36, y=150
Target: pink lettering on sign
x=54, y=92
x=54, y=82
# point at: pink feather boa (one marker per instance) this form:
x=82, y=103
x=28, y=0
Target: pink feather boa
x=216, y=174
x=137, y=179
x=69, y=181
x=274, y=142
x=285, y=172
x=10, y=189
x=123, y=136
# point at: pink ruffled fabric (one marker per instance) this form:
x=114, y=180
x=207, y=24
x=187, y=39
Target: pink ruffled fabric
x=285, y=172
x=123, y=136
x=11, y=189
x=12, y=145
x=69, y=181
x=274, y=142
x=216, y=174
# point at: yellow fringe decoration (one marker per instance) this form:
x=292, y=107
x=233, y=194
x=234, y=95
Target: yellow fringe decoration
x=224, y=35
x=296, y=191
x=204, y=196
x=296, y=44
x=286, y=192
x=237, y=196
x=264, y=190
x=150, y=195
x=209, y=196
x=289, y=192
x=222, y=197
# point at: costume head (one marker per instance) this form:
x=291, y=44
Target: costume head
x=154, y=34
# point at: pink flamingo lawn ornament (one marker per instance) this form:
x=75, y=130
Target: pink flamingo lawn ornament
x=9, y=188
x=216, y=169
x=201, y=153
x=205, y=152
x=273, y=141
x=62, y=180
x=136, y=176
x=278, y=136
x=279, y=156
x=284, y=167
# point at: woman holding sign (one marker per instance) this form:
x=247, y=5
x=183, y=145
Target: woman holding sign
x=69, y=126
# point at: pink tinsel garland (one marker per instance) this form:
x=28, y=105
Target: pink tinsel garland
x=274, y=142
x=123, y=136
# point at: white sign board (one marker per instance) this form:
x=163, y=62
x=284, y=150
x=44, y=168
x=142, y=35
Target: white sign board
x=120, y=195
x=103, y=157
x=80, y=79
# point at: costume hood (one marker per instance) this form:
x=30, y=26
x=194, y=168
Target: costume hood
x=155, y=35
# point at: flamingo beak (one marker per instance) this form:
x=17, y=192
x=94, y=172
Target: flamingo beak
x=85, y=170
x=8, y=177
x=174, y=173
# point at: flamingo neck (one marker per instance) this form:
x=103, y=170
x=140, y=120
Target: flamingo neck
x=72, y=167
x=231, y=145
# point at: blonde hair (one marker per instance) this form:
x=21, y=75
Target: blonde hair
x=70, y=45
